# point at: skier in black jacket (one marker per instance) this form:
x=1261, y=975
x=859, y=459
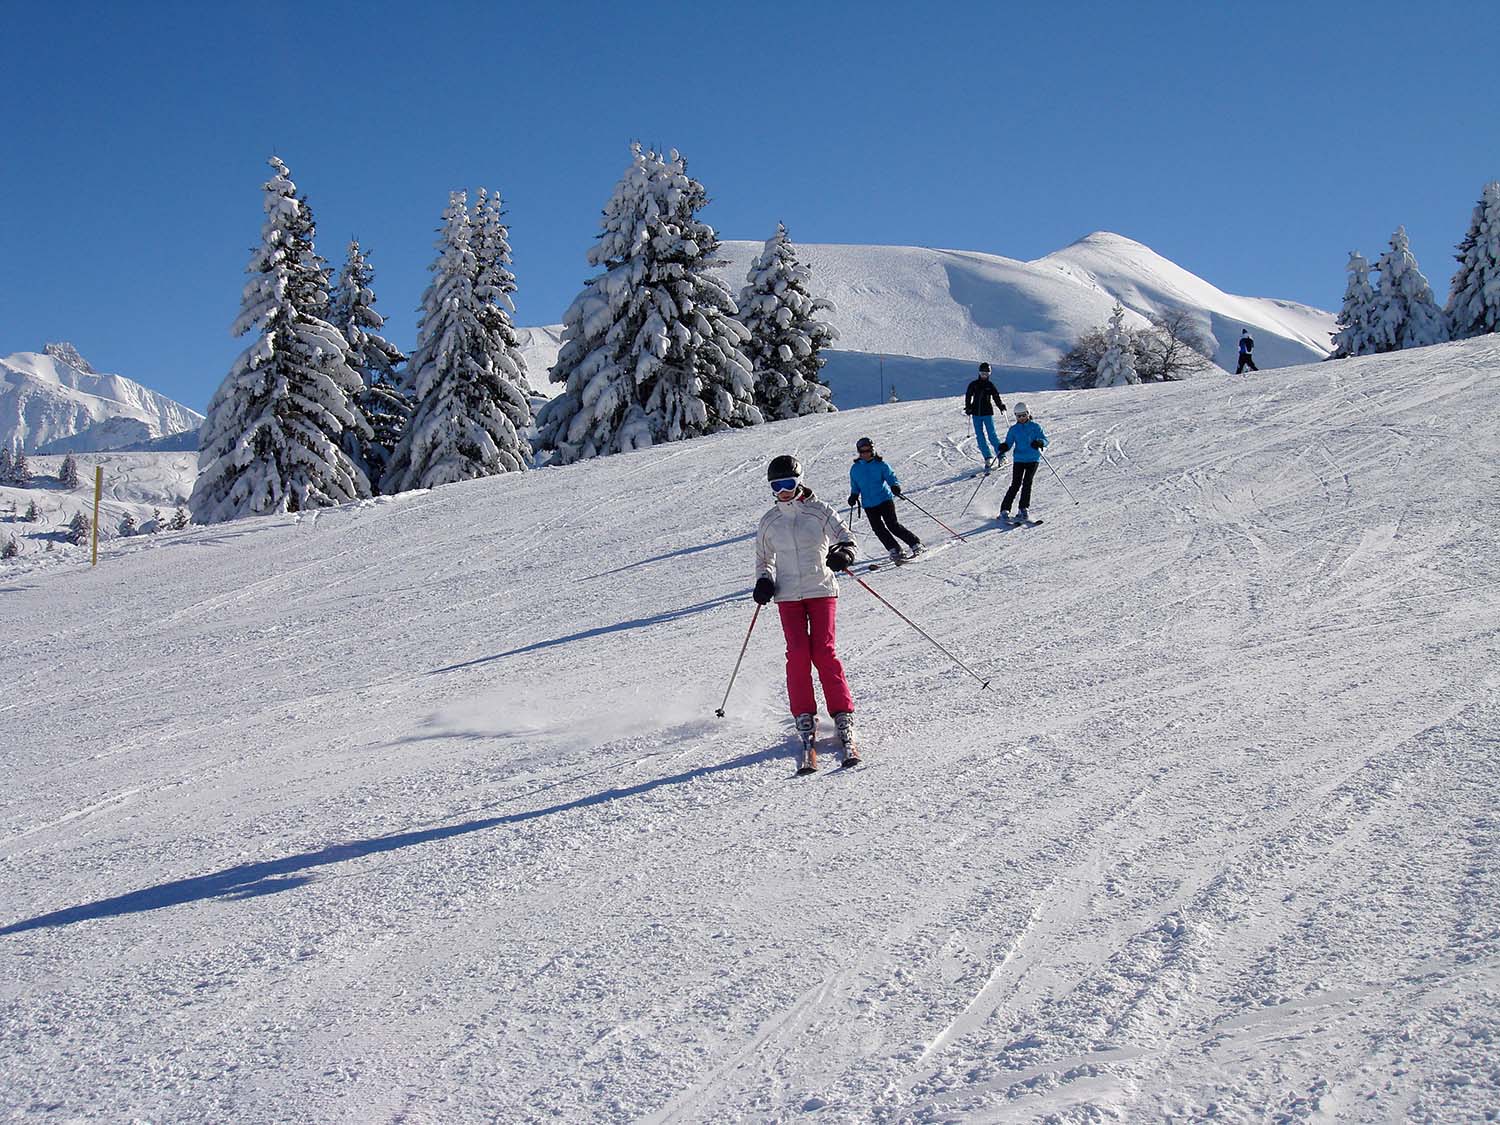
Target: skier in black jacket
x=980, y=403
x=1247, y=345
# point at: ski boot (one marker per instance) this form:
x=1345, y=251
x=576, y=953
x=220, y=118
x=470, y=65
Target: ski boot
x=915, y=549
x=896, y=556
x=844, y=720
x=807, y=735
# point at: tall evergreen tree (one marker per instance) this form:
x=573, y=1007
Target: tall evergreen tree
x=20, y=469
x=472, y=410
x=651, y=351
x=786, y=333
x=1474, y=298
x=1358, y=333
x=67, y=476
x=494, y=283
x=1406, y=315
x=1117, y=363
x=272, y=440
x=382, y=400
x=7, y=464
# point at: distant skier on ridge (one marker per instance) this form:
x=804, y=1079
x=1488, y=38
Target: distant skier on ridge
x=873, y=484
x=799, y=545
x=1247, y=345
x=980, y=402
x=1028, y=441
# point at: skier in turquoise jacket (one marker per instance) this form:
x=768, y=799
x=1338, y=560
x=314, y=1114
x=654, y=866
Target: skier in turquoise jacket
x=873, y=485
x=1025, y=442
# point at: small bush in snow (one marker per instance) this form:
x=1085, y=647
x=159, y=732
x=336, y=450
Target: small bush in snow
x=10, y=550
x=128, y=526
x=79, y=529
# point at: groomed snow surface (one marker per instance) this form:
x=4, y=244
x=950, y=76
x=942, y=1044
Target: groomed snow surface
x=417, y=810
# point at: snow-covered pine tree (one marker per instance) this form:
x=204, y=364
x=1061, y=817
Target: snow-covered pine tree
x=1117, y=364
x=32, y=515
x=128, y=526
x=1357, y=334
x=7, y=463
x=786, y=333
x=272, y=440
x=11, y=549
x=20, y=470
x=1474, y=299
x=470, y=416
x=382, y=400
x=67, y=476
x=179, y=518
x=651, y=351
x=79, y=528
x=158, y=521
x=1406, y=315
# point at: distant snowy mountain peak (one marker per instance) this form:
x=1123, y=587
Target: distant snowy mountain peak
x=69, y=355
x=53, y=395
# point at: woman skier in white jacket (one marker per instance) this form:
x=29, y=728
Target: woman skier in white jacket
x=801, y=542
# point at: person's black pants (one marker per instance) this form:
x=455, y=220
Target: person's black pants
x=1021, y=473
x=883, y=523
x=1245, y=361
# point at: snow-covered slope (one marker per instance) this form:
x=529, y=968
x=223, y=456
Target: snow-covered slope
x=418, y=810
x=959, y=304
x=146, y=486
x=46, y=396
x=918, y=320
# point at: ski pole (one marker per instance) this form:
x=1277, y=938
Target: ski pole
x=934, y=519
x=1060, y=481
x=736, y=672
x=983, y=683
x=975, y=493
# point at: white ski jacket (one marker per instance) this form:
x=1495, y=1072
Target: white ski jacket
x=791, y=545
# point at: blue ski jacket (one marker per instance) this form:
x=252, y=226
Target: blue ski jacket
x=1019, y=437
x=872, y=479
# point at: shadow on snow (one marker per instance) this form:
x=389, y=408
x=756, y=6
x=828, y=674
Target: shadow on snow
x=251, y=880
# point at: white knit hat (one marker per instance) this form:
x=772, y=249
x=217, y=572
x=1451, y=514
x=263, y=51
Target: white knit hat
x=1020, y=409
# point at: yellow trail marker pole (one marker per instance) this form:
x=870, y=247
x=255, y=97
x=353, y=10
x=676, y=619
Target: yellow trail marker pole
x=98, y=488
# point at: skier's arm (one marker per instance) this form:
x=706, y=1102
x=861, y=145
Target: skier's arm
x=969, y=399
x=890, y=478
x=765, y=557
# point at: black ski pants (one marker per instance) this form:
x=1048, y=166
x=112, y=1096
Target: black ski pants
x=1021, y=473
x=1246, y=360
x=886, y=526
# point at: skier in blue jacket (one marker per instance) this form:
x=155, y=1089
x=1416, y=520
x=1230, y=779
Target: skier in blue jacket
x=873, y=484
x=1027, y=441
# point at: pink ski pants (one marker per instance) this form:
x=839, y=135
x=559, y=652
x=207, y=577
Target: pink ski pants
x=809, y=629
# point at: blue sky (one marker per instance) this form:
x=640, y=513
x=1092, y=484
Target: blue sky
x=1254, y=145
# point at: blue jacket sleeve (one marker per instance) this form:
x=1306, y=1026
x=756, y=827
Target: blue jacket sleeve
x=888, y=473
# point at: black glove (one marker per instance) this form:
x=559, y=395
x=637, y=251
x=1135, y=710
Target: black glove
x=967, y=410
x=853, y=499
x=765, y=589
x=1036, y=443
x=1004, y=448
x=1001, y=404
x=896, y=488
x=840, y=557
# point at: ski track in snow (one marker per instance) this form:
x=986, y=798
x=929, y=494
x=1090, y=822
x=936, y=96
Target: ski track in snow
x=417, y=810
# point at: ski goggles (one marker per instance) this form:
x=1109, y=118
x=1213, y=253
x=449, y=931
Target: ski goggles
x=784, y=484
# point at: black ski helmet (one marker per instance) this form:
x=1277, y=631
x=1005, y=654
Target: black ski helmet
x=984, y=368
x=782, y=467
